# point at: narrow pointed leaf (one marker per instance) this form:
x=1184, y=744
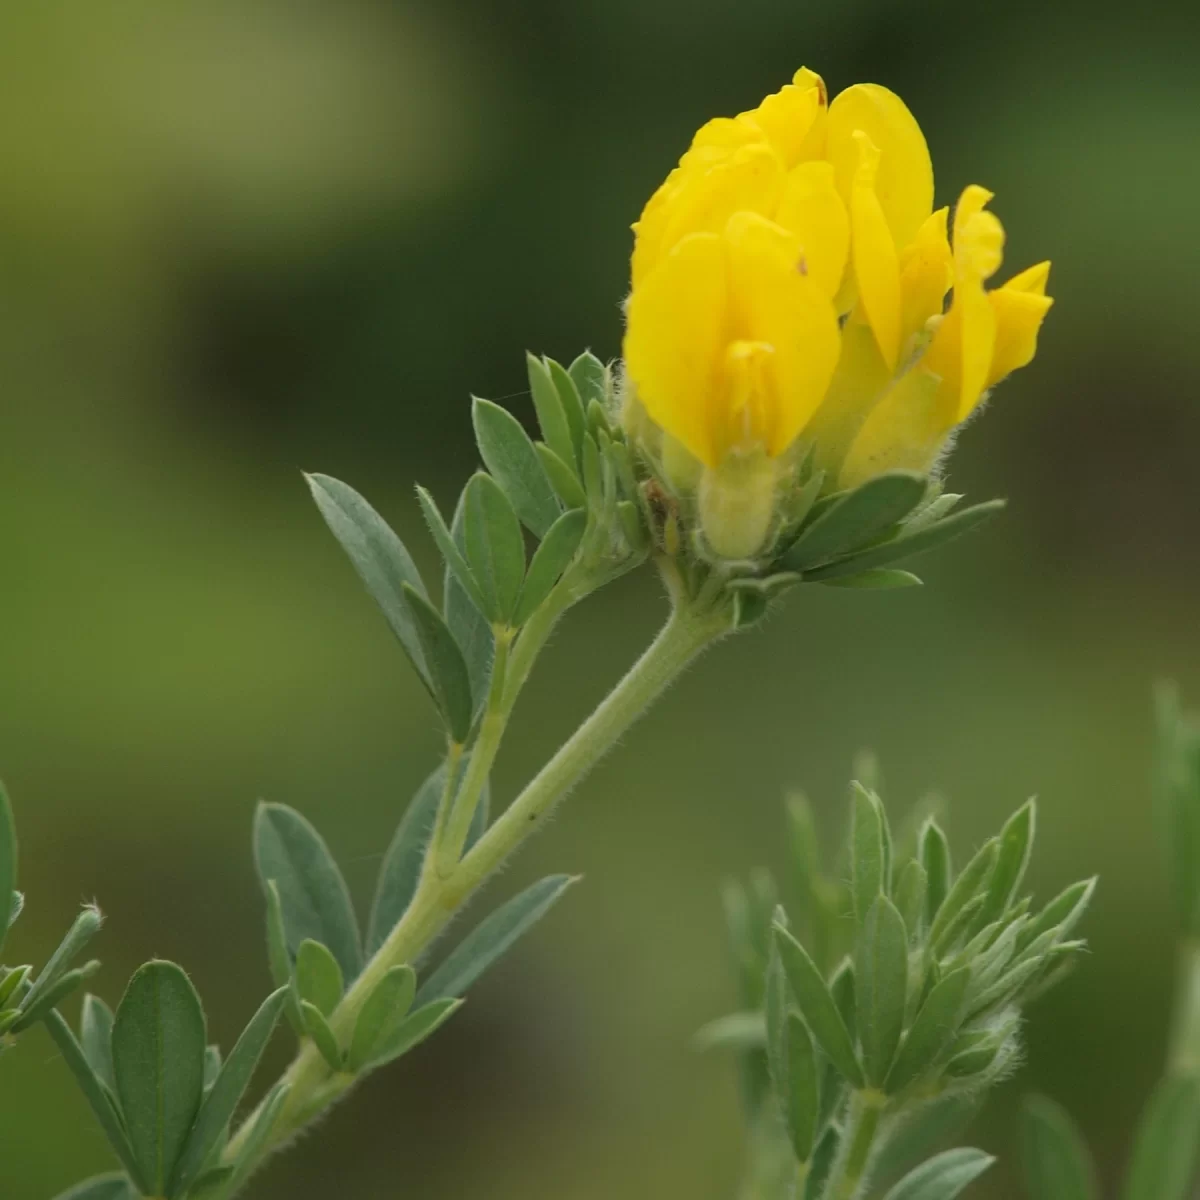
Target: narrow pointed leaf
x=449, y=678
x=1061, y=914
x=385, y=1008
x=158, y=1060
x=878, y=579
x=323, y=1037
x=735, y=1031
x=549, y=561
x=818, y=1007
x=226, y=1093
x=943, y=1177
x=934, y=851
x=932, y=1031
x=280, y=958
x=492, y=938
x=563, y=478
x=867, y=866
x=1163, y=1165
x=1056, y=1159
x=551, y=409
x=911, y=889
x=102, y=1187
x=495, y=546
x=456, y=564
x=464, y=615
x=414, y=1029
x=95, y=1037
x=591, y=378
x=509, y=455
x=313, y=896
x=319, y=979
x=54, y=995
x=85, y=927
x=800, y=1096
x=378, y=555
x=881, y=980
x=966, y=888
x=1015, y=847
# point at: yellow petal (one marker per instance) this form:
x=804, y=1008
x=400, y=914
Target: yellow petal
x=675, y=338
x=876, y=266
x=926, y=272
x=1019, y=307
x=787, y=116
x=775, y=305
x=905, y=181
x=812, y=210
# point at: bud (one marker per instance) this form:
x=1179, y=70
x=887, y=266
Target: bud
x=789, y=307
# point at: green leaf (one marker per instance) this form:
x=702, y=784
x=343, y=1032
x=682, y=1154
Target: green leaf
x=909, y=545
x=279, y=957
x=799, y=1097
x=1163, y=1164
x=323, y=1037
x=260, y=1135
x=965, y=889
x=817, y=1006
x=158, y=1046
x=85, y=927
x=12, y=979
x=95, y=1037
x=943, y=1177
x=385, y=1008
x=450, y=681
x=552, y=408
x=881, y=981
x=822, y=1162
x=867, y=840
x=493, y=937
x=932, y=1032
x=564, y=478
x=472, y=630
x=414, y=1029
x=102, y=1187
x=212, y=1066
x=1062, y=913
x=55, y=994
x=591, y=378
x=313, y=896
x=226, y=1093
x=378, y=555
x=934, y=851
x=213, y=1184
x=550, y=560
x=1015, y=847
x=857, y=519
x=734, y=1031
x=495, y=546
x=319, y=979
x=911, y=889
x=452, y=555
x=509, y=455
x=1056, y=1159
x=101, y=1101
x=876, y=579
x=8, y=863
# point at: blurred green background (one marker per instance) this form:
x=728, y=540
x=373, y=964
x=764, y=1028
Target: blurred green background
x=243, y=237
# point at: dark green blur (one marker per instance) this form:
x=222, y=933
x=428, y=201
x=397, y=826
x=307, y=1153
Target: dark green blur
x=239, y=238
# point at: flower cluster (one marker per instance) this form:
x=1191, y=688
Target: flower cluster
x=789, y=285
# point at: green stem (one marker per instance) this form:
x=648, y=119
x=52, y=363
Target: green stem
x=848, y=1177
x=438, y=897
x=1184, y=1056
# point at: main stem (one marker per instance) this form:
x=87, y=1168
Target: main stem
x=848, y=1176
x=438, y=897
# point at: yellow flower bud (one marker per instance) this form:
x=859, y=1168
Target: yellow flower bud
x=790, y=282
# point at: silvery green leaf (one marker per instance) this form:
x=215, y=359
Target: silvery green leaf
x=908, y=545
x=881, y=982
x=8, y=863
x=11, y=983
x=509, y=455
x=931, y=512
x=934, y=852
x=552, y=407
x=876, y=579
x=450, y=682
x=382, y=1013
x=471, y=629
x=549, y=561
x=102, y=1187
x=968, y=887
x=817, y=1006
x=413, y=1030
x=1061, y=915
x=313, y=897
x=452, y=555
x=95, y=1037
x=212, y=1065
x=317, y=1028
x=799, y=1096
x=319, y=979
x=280, y=957
x=591, y=378
x=1007, y=988
x=931, y=1032
x=492, y=938
x=158, y=1044
x=911, y=889
x=943, y=1177
x=856, y=519
x=226, y=1093
x=843, y=989
x=495, y=546
x=1056, y=1159
x=735, y=1031
x=867, y=839
x=1163, y=1165
x=85, y=927
x=378, y=555
x=33, y=1011
x=1015, y=847
x=563, y=478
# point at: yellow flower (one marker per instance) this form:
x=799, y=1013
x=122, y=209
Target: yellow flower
x=789, y=280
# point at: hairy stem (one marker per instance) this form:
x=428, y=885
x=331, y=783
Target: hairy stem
x=849, y=1175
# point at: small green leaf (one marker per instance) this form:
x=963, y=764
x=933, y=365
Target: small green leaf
x=456, y=564
x=279, y=957
x=95, y=1037
x=319, y=979
x=965, y=889
x=158, y=1046
x=591, y=378
x=495, y=546
x=509, y=455
x=212, y=1066
x=414, y=1029
x=256, y=1142
x=909, y=545
x=844, y=990
x=323, y=1037
x=226, y=1093
x=83, y=929
x=550, y=560
x=822, y=1162
x=934, y=851
x=493, y=937
x=911, y=889
x=379, y=556
x=563, y=477
x=1056, y=1159
x=876, y=579
x=800, y=1097
x=313, y=896
x=213, y=1184
x=1163, y=1164
x=1015, y=847
x=1062, y=914
x=932, y=1031
x=385, y=1008
x=471, y=629
x=551, y=407
x=867, y=838
x=857, y=519
x=102, y=1187
x=449, y=678
x=942, y=1177
x=12, y=979
x=8, y=863
x=881, y=980
x=54, y=995
x=735, y=1031
x=817, y=1006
